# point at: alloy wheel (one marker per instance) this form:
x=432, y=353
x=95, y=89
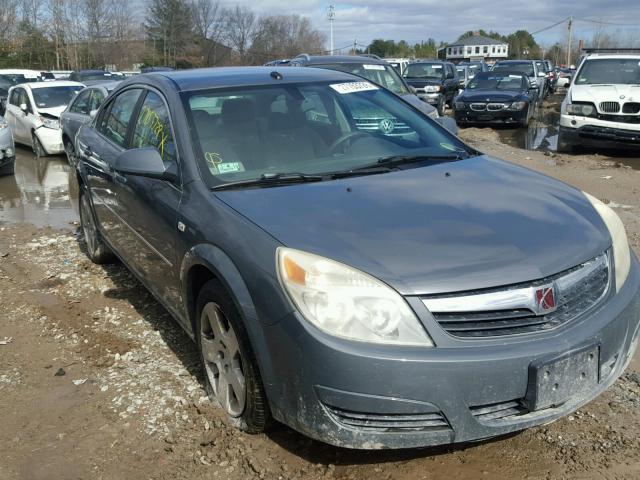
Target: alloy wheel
x=222, y=359
x=88, y=225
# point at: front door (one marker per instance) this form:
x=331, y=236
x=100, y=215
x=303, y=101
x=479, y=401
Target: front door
x=148, y=207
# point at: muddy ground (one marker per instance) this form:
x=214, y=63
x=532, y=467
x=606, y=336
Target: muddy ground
x=96, y=380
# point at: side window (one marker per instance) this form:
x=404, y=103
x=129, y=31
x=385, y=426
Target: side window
x=15, y=97
x=114, y=123
x=24, y=98
x=97, y=97
x=81, y=103
x=153, y=128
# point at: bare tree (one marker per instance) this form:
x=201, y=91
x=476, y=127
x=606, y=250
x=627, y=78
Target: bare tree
x=208, y=27
x=284, y=36
x=239, y=27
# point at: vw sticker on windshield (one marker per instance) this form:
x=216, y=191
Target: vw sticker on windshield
x=353, y=87
x=373, y=67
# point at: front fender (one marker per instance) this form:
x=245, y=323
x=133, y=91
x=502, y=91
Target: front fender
x=224, y=269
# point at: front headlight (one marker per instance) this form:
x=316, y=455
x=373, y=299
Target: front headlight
x=458, y=105
x=347, y=303
x=621, y=252
x=432, y=88
x=582, y=109
x=49, y=123
x=518, y=106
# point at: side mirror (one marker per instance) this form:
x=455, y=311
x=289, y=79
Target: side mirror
x=145, y=162
x=24, y=108
x=93, y=113
x=448, y=123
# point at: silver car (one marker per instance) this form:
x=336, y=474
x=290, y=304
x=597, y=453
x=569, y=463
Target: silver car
x=7, y=149
x=79, y=112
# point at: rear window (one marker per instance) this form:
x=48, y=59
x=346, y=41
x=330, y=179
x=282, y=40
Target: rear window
x=425, y=70
x=384, y=75
x=526, y=68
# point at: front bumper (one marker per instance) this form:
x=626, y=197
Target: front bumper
x=431, y=98
x=51, y=140
x=595, y=132
x=504, y=117
x=364, y=396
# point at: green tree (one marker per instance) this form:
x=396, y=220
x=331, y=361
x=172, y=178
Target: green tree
x=169, y=28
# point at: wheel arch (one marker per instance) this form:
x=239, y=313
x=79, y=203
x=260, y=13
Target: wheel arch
x=205, y=262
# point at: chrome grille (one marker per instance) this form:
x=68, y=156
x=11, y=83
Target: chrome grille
x=631, y=107
x=479, y=107
x=372, y=124
x=610, y=107
x=515, y=310
x=390, y=422
x=493, y=107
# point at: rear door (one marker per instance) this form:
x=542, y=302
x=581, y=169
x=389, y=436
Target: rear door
x=99, y=145
x=148, y=207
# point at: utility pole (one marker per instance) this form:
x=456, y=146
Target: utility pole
x=570, y=41
x=331, y=15
x=355, y=46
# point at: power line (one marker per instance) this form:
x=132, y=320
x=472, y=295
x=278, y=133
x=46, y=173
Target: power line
x=602, y=22
x=550, y=26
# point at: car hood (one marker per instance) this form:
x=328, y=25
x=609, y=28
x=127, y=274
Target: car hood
x=53, y=111
x=420, y=82
x=485, y=224
x=424, y=107
x=605, y=93
x=488, y=96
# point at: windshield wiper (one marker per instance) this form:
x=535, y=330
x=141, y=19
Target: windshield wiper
x=395, y=160
x=271, y=179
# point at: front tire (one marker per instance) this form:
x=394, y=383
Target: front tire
x=564, y=146
x=71, y=153
x=232, y=377
x=441, y=106
x=97, y=250
x=38, y=149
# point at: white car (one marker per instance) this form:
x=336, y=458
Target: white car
x=33, y=113
x=602, y=106
x=7, y=150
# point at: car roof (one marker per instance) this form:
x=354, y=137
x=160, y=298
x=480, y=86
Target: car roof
x=55, y=83
x=108, y=86
x=516, y=61
x=96, y=70
x=322, y=59
x=426, y=60
x=19, y=71
x=502, y=73
x=606, y=56
x=203, y=78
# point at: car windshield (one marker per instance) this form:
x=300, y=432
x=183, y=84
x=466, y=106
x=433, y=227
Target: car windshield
x=85, y=77
x=610, y=71
x=384, y=75
x=311, y=128
x=495, y=81
x=526, y=68
x=425, y=70
x=51, y=97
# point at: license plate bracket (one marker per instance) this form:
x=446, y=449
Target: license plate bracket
x=553, y=381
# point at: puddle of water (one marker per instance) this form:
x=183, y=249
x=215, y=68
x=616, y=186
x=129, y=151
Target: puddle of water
x=542, y=135
x=42, y=192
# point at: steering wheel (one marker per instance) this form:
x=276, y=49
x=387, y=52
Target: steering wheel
x=347, y=136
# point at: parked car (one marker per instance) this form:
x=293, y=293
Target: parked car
x=530, y=68
x=91, y=77
x=499, y=97
x=564, y=76
x=379, y=72
x=602, y=105
x=47, y=76
x=475, y=67
x=33, y=113
x=550, y=83
x=464, y=74
x=155, y=69
x=11, y=77
x=552, y=75
x=80, y=111
x=436, y=82
x=400, y=64
x=370, y=291
x=7, y=149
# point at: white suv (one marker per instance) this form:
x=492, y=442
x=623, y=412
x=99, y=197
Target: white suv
x=33, y=113
x=602, y=106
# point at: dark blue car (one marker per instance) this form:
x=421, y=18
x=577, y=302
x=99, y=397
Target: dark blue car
x=369, y=289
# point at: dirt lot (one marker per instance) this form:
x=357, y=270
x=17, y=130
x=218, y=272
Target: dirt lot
x=96, y=381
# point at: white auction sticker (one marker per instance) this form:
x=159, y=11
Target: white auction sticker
x=353, y=87
x=373, y=67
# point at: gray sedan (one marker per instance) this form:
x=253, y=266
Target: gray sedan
x=79, y=112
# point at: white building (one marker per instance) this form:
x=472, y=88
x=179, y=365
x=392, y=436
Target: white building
x=477, y=48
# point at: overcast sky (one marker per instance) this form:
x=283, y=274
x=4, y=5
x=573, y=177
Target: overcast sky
x=446, y=19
